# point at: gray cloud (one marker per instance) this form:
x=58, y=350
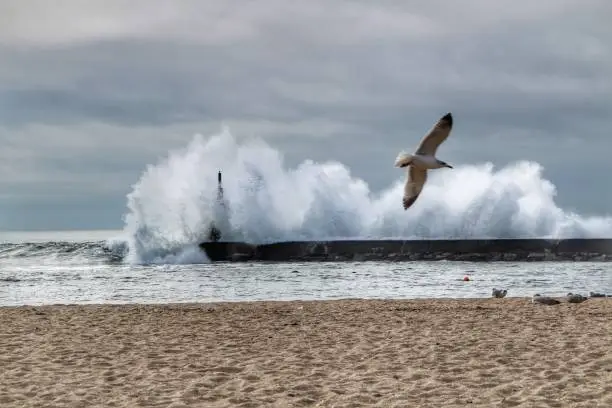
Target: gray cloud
x=93, y=91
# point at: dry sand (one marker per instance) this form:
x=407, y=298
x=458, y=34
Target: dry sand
x=350, y=353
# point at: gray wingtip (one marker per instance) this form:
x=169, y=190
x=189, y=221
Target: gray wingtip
x=408, y=201
x=448, y=118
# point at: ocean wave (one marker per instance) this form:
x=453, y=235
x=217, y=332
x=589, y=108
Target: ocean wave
x=175, y=202
x=64, y=251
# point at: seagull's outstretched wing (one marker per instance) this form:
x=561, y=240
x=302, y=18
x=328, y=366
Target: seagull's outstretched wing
x=414, y=184
x=436, y=135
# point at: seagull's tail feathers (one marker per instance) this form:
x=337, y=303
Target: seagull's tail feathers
x=403, y=159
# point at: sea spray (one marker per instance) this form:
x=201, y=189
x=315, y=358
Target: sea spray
x=173, y=205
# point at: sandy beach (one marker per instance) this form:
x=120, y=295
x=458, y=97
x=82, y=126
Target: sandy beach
x=348, y=353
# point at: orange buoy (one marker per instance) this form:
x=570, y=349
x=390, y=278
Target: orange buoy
x=466, y=278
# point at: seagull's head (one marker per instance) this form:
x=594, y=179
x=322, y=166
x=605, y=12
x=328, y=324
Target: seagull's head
x=403, y=160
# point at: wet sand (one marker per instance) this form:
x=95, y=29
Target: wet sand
x=348, y=353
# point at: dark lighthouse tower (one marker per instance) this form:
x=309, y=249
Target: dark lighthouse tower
x=214, y=234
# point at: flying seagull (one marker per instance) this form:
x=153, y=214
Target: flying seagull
x=423, y=159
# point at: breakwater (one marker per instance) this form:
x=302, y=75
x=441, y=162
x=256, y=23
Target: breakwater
x=412, y=250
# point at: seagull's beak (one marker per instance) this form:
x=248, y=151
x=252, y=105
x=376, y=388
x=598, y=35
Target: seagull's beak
x=449, y=166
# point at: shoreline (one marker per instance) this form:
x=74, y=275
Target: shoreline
x=216, y=302
x=196, y=304
x=342, y=353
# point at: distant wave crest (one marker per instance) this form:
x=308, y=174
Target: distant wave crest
x=66, y=252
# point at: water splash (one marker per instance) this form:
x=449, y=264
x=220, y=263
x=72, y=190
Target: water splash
x=172, y=206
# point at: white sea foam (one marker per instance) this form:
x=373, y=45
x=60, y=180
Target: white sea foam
x=174, y=202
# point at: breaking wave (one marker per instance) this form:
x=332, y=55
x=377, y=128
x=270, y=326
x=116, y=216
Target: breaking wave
x=173, y=205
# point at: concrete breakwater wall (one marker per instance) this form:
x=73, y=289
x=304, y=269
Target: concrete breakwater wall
x=403, y=250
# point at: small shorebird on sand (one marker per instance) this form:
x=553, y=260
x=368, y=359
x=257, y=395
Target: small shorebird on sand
x=575, y=298
x=544, y=300
x=499, y=293
x=423, y=159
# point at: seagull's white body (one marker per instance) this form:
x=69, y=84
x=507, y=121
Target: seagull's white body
x=423, y=159
x=428, y=162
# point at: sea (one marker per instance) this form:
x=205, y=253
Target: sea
x=155, y=257
x=80, y=267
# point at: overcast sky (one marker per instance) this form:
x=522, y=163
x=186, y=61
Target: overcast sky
x=93, y=91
